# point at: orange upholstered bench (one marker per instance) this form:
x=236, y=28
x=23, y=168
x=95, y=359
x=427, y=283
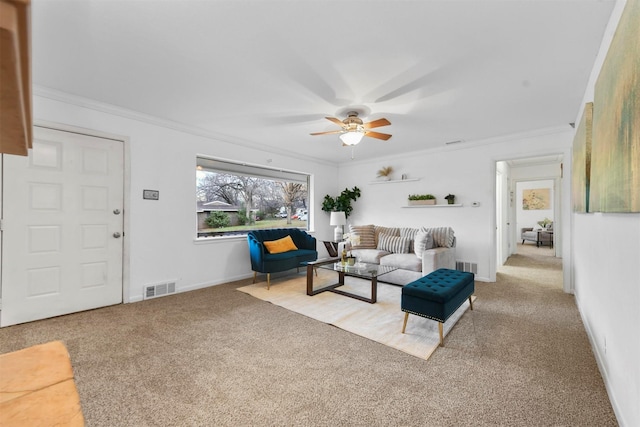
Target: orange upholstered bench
x=37, y=388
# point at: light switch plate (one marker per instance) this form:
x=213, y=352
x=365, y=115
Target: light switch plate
x=150, y=194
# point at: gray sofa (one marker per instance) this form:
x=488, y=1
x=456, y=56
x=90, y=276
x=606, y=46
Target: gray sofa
x=416, y=252
x=539, y=236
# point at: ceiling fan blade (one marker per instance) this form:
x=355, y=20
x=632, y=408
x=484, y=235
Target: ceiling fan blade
x=327, y=133
x=372, y=134
x=336, y=121
x=376, y=123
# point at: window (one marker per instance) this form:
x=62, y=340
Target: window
x=232, y=198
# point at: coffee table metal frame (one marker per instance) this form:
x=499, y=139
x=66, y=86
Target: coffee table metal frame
x=361, y=270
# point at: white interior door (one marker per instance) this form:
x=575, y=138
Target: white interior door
x=62, y=226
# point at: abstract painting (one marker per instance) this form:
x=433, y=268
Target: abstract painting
x=581, y=169
x=536, y=199
x=615, y=152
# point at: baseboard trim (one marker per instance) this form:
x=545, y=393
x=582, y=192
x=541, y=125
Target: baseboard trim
x=601, y=365
x=197, y=286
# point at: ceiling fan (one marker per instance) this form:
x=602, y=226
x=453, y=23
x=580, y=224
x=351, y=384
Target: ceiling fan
x=353, y=129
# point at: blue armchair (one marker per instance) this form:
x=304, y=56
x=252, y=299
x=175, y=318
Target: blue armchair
x=264, y=262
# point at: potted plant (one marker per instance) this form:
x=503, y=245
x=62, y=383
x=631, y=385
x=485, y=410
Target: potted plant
x=545, y=222
x=451, y=198
x=341, y=203
x=422, y=199
x=385, y=173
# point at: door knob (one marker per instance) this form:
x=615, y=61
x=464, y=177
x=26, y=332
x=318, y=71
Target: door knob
x=116, y=211
x=116, y=235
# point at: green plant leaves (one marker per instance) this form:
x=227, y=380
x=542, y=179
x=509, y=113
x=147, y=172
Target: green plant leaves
x=341, y=203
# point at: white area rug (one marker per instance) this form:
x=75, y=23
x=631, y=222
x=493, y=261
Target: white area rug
x=380, y=322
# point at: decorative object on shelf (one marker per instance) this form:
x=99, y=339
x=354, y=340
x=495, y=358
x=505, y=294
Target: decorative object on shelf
x=385, y=173
x=422, y=199
x=341, y=203
x=451, y=198
x=455, y=205
x=394, y=181
x=338, y=219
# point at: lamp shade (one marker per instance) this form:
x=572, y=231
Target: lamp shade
x=352, y=137
x=338, y=218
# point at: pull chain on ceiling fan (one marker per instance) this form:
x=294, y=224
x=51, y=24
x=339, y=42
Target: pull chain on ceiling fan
x=353, y=129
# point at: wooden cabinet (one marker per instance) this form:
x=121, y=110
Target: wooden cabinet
x=16, y=121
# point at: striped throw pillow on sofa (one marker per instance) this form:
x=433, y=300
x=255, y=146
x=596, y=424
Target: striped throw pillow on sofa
x=366, y=234
x=442, y=236
x=394, y=244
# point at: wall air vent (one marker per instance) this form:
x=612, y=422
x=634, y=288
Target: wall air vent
x=159, y=290
x=469, y=267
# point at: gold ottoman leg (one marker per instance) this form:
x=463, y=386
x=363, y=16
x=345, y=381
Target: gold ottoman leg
x=440, y=332
x=268, y=280
x=255, y=273
x=404, y=325
x=470, y=303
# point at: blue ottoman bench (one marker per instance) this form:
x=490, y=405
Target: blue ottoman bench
x=437, y=296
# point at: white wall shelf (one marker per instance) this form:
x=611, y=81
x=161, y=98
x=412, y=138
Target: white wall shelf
x=455, y=205
x=394, y=181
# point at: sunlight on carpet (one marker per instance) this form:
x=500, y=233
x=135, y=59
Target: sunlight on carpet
x=380, y=322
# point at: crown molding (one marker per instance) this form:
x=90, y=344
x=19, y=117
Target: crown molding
x=466, y=144
x=114, y=110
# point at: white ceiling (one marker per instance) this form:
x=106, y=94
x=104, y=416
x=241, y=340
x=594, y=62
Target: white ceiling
x=265, y=73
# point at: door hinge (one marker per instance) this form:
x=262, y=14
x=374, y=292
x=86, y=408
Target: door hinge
x=1, y=224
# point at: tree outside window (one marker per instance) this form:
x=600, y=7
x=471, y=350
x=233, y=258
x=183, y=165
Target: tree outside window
x=231, y=203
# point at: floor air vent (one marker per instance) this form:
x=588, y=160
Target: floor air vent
x=159, y=290
x=470, y=267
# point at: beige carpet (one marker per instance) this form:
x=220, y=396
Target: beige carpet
x=219, y=357
x=380, y=322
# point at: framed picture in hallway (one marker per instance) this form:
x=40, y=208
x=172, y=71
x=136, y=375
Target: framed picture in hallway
x=581, y=167
x=615, y=160
x=536, y=199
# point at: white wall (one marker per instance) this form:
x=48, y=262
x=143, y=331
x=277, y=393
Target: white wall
x=466, y=170
x=161, y=234
x=606, y=271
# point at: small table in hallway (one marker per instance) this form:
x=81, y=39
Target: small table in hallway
x=544, y=236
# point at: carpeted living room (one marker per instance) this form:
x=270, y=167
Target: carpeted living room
x=217, y=356
x=319, y=213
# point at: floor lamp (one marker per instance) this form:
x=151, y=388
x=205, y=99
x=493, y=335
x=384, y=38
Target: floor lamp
x=338, y=219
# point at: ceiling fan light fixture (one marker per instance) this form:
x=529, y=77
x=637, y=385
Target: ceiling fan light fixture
x=352, y=137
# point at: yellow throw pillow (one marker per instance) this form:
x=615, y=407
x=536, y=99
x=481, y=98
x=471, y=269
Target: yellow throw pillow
x=281, y=245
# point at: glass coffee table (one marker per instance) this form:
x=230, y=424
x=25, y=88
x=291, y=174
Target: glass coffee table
x=360, y=269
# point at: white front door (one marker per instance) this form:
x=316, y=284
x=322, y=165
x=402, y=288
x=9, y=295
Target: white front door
x=62, y=226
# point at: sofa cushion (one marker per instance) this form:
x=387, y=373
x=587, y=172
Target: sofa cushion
x=297, y=256
x=409, y=233
x=403, y=261
x=378, y=230
x=422, y=242
x=366, y=234
x=400, y=277
x=281, y=245
x=442, y=236
x=395, y=244
x=370, y=256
